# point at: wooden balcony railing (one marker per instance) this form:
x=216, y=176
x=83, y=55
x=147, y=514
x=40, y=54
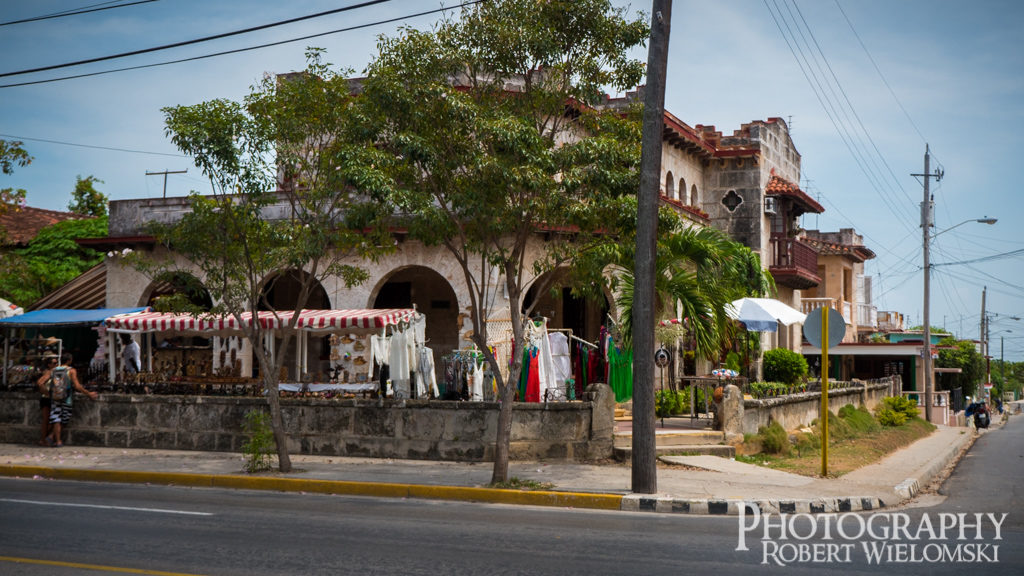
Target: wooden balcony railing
x=793, y=263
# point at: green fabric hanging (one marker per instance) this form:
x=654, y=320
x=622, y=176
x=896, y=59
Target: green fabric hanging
x=620, y=374
x=524, y=373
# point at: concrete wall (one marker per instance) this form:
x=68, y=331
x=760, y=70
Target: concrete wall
x=459, y=431
x=797, y=410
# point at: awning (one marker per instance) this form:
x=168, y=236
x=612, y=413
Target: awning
x=312, y=320
x=51, y=317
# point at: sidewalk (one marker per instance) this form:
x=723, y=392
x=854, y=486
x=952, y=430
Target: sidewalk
x=689, y=484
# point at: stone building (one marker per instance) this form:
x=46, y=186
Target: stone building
x=742, y=184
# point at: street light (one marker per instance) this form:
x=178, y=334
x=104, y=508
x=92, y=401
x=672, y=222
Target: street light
x=926, y=224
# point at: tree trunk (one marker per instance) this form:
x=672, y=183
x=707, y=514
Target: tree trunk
x=504, y=437
x=284, y=461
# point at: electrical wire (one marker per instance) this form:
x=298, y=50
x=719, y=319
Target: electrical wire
x=830, y=110
x=91, y=146
x=76, y=12
x=196, y=40
x=879, y=71
x=249, y=48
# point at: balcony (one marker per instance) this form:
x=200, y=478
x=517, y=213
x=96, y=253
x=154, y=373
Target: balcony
x=867, y=317
x=793, y=263
x=808, y=305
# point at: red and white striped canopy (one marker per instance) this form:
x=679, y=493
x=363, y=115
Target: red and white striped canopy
x=314, y=320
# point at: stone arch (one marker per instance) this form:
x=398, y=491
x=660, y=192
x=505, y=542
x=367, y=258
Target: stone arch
x=681, y=192
x=280, y=291
x=670, y=185
x=694, y=197
x=177, y=283
x=563, y=310
x=432, y=295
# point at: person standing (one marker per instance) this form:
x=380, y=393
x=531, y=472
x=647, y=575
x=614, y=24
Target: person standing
x=62, y=381
x=49, y=363
x=132, y=356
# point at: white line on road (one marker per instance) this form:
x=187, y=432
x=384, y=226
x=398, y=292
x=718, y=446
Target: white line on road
x=101, y=507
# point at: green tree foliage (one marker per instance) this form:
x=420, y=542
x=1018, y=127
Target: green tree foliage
x=11, y=154
x=300, y=126
x=697, y=273
x=86, y=199
x=784, y=365
x=489, y=138
x=50, y=260
x=960, y=354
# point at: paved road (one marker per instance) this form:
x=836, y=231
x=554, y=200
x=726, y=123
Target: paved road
x=211, y=532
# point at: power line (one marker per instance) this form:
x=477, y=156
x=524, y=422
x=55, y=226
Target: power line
x=257, y=47
x=195, y=41
x=76, y=11
x=92, y=146
x=830, y=109
x=983, y=259
x=880, y=75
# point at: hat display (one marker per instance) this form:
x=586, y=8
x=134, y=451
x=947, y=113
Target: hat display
x=48, y=355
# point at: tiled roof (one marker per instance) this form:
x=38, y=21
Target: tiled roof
x=24, y=223
x=859, y=253
x=778, y=186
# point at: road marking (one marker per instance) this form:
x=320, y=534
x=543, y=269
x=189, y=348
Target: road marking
x=101, y=507
x=100, y=567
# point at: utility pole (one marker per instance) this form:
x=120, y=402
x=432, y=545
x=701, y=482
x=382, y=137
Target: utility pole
x=644, y=461
x=926, y=224
x=165, y=173
x=981, y=336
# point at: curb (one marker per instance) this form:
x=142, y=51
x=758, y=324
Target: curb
x=911, y=487
x=728, y=507
x=380, y=490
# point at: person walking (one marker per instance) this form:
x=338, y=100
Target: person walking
x=48, y=364
x=132, y=356
x=62, y=382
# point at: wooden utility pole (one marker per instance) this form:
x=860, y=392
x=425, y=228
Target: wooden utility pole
x=645, y=469
x=165, y=173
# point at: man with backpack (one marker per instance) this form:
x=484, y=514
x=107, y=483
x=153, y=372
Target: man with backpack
x=61, y=382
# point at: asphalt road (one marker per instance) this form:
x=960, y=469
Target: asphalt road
x=107, y=528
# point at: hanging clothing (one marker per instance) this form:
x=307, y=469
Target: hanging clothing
x=533, y=391
x=380, y=349
x=561, y=364
x=426, y=379
x=620, y=373
x=477, y=388
x=398, y=362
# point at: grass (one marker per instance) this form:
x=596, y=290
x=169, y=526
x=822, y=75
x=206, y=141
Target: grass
x=855, y=440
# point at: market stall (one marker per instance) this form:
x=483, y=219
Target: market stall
x=27, y=336
x=357, y=341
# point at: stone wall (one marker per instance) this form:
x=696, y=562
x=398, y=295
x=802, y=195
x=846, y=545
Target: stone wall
x=797, y=410
x=426, y=430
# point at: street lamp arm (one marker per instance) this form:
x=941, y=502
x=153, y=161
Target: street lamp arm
x=986, y=220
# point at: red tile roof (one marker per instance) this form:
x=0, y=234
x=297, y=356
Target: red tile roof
x=858, y=253
x=22, y=224
x=781, y=187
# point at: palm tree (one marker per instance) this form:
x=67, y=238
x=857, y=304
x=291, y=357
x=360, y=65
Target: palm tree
x=700, y=269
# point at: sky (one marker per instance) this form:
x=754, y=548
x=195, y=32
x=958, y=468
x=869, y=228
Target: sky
x=863, y=84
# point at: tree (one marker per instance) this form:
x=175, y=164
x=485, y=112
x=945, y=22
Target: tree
x=51, y=259
x=86, y=199
x=11, y=154
x=961, y=354
x=296, y=127
x=700, y=270
x=491, y=139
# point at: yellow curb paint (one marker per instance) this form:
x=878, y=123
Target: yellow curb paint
x=375, y=489
x=99, y=567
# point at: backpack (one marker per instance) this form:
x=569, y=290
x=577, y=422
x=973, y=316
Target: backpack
x=59, y=383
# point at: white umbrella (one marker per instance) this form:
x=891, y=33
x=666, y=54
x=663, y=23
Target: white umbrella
x=7, y=309
x=763, y=314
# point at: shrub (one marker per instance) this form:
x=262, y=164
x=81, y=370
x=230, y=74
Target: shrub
x=774, y=439
x=259, y=448
x=859, y=419
x=784, y=365
x=888, y=417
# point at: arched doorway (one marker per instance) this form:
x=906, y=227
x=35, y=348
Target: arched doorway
x=281, y=292
x=176, y=290
x=432, y=296
x=584, y=316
